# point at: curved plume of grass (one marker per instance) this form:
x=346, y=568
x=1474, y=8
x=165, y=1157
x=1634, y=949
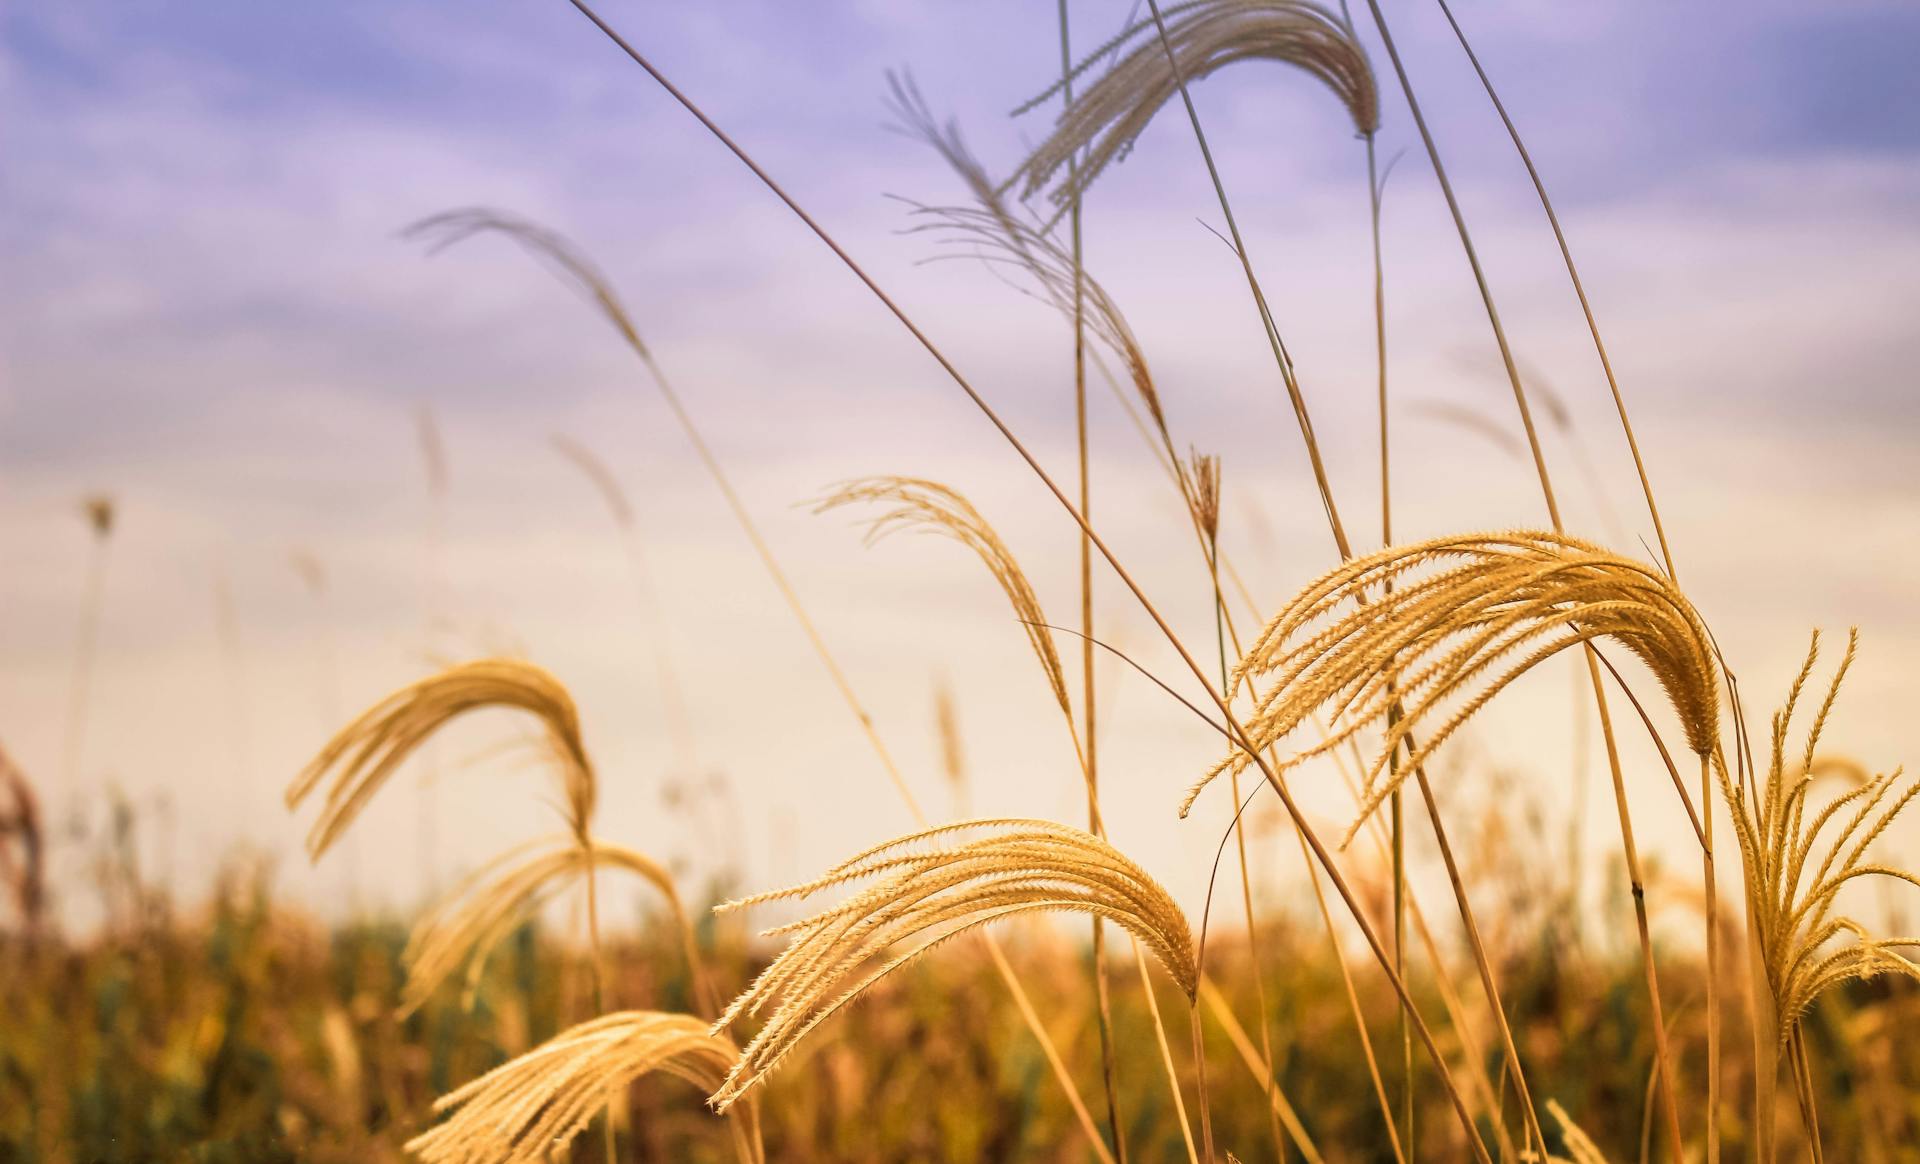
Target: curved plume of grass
x=1795, y=872
x=534, y=1105
x=1442, y=645
x=464, y=926
x=365, y=753
x=1204, y=37
x=934, y=886
x=1004, y=237
x=444, y=230
x=924, y=506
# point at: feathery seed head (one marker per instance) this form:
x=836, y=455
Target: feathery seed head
x=367, y=751
x=928, y=506
x=930, y=887
x=466, y=924
x=534, y=1105
x=1100, y=126
x=1792, y=897
x=1433, y=645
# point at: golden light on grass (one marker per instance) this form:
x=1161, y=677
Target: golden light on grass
x=531, y=1107
x=364, y=754
x=466, y=924
x=1201, y=38
x=918, y=505
x=1440, y=645
x=932, y=887
x=1801, y=945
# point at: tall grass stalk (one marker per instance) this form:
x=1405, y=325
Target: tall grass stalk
x=1199, y=673
x=99, y=511
x=1089, y=738
x=433, y=459
x=1666, y=556
x=447, y=229
x=1629, y=848
x=1341, y=542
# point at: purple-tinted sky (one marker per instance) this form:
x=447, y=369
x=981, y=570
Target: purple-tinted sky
x=205, y=308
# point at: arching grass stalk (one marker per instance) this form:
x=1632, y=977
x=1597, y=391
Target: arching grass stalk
x=1364, y=108
x=446, y=229
x=1629, y=849
x=1237, y=733
x=1666, y=556
x=927, y=506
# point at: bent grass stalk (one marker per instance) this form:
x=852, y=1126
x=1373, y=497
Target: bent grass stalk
x=1634, y=871
x=1335, y=53
x=931, y=887
x=1666, y=556
x=445, y=230
x=928, y=506
x=532, y=1106
x=1046, y=479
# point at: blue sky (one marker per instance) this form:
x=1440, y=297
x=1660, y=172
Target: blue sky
x=205, y=307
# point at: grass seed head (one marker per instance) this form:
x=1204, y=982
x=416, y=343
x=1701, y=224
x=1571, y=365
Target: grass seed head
x=1465, y=616
x=929, y=887
x=1100, y=126
x=533, y=1106
x=364, y=754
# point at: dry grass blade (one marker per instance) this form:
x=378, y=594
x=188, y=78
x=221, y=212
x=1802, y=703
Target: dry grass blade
x=1795, y=875
x=1434, y=644
x=466, y=924
x=532, y=1106
x=365, y=753
x=933, y=886
x=930, y=507
x=1204, y=37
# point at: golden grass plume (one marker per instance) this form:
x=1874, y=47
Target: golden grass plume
x=365, y=753
x=535, y=1104
x=934, y=886
x=929, y=507
x=1794, y=876
x=464, y=926
x=1008, y=239
x=1465, y=616
x=1204, y=36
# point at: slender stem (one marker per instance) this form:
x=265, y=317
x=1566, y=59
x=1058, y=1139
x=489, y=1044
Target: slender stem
x=599, y=974
x=1262, y=1071
x=1032, y=1018
x=1713, y=964
x=1200, y=1077
x=1573, y=274
x=1237, y=731
x=1257, y=964
x=1278, y=345
x=1102, y=992
x=78, y=696
x=1166, y=1053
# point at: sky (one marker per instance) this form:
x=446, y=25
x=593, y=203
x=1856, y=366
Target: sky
x=208, y=311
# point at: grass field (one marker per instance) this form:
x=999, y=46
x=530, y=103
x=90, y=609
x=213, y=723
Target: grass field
x=1437, y=973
